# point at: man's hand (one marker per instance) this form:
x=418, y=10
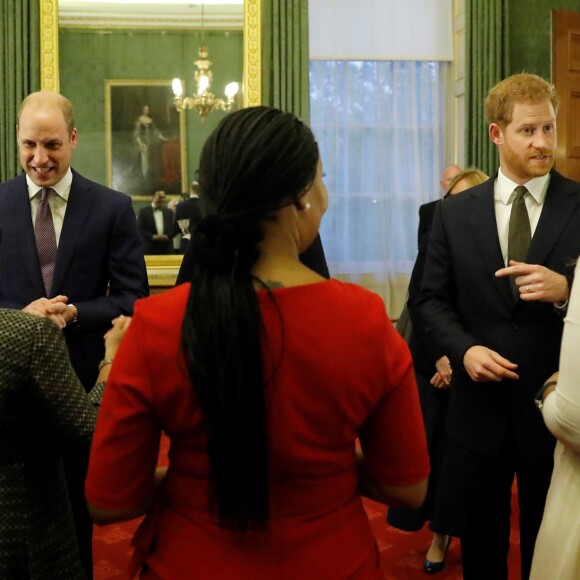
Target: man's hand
x=483, y=364
x=53, y=308
x=537, y=282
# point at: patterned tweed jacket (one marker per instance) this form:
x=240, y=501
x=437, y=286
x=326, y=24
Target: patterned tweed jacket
x=44, y=413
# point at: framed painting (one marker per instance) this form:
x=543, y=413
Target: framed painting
x=145, y=138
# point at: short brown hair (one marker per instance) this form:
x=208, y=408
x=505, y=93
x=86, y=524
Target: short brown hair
x=44, y=98
x=520, y=88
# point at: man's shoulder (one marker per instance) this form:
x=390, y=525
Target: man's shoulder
x=558, y=181
x=82, y=183
x=14, y=184
x=430, y=204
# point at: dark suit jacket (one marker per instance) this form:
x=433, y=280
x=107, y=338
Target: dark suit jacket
x=148, y=229
x=424, y=351
x=426, y=213
x=463, y=304
x=188, y=209
x=99, y=265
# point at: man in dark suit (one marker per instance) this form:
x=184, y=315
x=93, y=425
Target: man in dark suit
x=502, y=336
x=427, y=210
x=188, y=209
x=156, y=226
x=70, y=251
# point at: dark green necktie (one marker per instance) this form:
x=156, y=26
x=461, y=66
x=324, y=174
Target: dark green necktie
x=520, y=232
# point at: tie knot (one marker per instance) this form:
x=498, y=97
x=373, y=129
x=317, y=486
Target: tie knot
x=46, y=193
x=520, y=192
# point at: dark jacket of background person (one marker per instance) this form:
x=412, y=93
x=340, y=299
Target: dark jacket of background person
x=188, y=209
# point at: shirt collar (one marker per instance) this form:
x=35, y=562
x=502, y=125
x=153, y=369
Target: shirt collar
x=62, y=187
x=538, y=186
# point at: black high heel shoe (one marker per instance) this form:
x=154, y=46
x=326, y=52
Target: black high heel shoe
x=430, y=567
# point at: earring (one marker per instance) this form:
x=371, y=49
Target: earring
x=306, y=206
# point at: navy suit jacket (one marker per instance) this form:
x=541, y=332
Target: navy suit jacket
x=99, y=266
x=463, y=304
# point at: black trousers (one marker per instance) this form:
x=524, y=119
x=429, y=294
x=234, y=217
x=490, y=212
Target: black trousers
x=480, y=489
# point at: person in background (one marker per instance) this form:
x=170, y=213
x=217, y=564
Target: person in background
x=495, y=287
x=156, y=226
x=189, y=209
x=427, y=210
x=262, y=407
x=44, y=412
x=70, y=251
x=433, y=373
x=557, y=551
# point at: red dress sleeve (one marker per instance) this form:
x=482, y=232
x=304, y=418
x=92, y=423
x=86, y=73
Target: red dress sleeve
x=127, y=435
x=393, y=437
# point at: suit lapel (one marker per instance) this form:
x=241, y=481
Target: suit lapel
x=78, y=209
x=17, y=203
x=560, y=204
x=483, y=225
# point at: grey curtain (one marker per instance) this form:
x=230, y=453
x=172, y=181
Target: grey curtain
x=19, y=71
x=487, y=62
x=285, y=55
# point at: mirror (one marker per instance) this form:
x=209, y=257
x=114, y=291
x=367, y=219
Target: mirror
x=114, y=58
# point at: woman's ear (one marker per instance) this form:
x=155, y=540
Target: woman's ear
x=302, y=205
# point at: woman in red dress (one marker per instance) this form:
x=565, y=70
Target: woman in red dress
x=263, y=375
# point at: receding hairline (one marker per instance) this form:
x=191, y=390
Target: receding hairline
x=49, y=100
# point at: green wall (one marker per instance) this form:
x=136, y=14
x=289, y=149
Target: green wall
x=90, y=57
x=530, y=32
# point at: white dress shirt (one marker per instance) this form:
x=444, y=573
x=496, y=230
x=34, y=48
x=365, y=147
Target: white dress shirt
x=503, y=198
x=57, y=203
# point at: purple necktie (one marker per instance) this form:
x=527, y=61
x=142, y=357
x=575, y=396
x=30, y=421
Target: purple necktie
x=45, y=239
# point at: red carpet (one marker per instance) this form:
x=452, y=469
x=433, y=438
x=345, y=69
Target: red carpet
x=402, y=553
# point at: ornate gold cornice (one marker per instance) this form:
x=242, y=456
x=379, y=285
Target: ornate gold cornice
x=49, y=45
x=252, y=52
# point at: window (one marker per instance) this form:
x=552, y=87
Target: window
x=380, y=127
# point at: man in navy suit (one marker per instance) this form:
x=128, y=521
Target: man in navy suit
x=502, y=338
x=156, y=226
x=98, y=269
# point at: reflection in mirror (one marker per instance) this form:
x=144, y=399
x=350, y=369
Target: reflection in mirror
x=83, y=78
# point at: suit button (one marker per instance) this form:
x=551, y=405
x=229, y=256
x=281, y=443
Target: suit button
x=515, y=326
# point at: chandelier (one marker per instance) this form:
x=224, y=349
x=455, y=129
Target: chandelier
x=203, y=101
